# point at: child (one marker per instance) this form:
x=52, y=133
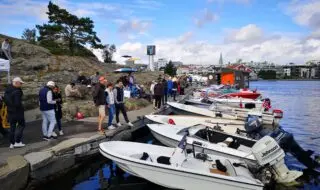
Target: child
x=58, y=107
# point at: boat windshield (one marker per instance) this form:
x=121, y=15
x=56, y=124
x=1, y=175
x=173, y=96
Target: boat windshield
x=192, y=129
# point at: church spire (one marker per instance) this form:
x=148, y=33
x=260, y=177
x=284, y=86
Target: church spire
x=220, y=60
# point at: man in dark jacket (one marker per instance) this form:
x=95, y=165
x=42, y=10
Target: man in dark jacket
x=58, y=107
x=13, y=99
x=158, y=93
x=119, y=103
x=99, y=99
x=47, y=110
x=165, y=91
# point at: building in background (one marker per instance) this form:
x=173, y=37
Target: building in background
x=161, y=63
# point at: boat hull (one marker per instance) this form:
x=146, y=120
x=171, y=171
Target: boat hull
x=174, y=143
x=175, y=177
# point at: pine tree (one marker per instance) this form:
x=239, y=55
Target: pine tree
x=170, y=69
x=29, y=35
x=68, y=28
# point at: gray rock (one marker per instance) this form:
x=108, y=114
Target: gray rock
x=38, y=159
x=14, y=175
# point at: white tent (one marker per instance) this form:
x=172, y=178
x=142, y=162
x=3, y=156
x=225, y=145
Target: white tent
x=5, y=66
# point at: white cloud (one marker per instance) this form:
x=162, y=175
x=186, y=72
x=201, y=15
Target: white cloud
x=206, y=16
x=280, y=49
x=305, y=13
x=247, y=33
x=224, y=1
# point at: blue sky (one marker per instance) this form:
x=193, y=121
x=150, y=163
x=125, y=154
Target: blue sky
x=189, y=29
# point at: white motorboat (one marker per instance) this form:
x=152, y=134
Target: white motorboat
x=179, y=168
x=183, y=109
x=188, y=121
x=237, y=102
x=203, y=137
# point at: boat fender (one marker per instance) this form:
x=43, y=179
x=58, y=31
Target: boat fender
x=277, y=113
x=171, y=122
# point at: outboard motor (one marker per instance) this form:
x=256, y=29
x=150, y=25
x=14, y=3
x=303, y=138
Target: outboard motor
x=289, y=144
x=269, y=155
x=253, y=126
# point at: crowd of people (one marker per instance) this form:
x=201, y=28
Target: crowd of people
x=167, y=86
x=107, y=97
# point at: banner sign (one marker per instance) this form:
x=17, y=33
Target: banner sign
x=4, y=65
x=151, y=50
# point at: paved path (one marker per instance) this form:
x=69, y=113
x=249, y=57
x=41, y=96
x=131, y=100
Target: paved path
x=83, y=129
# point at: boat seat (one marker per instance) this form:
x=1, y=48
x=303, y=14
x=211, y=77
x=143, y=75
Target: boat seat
x=230, y=168
x=164, y=160
x=244, y=149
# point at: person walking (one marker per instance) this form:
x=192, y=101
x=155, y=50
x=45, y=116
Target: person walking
x=174, y=88
x=6, y=49
x=58, y=107
x=99, y=99
x=47, y=110
x=158, y=93
x=153, y=83
x=110, y=104
x=119, y=103
x=13, y=99
x=183, y=85
x=170, y=85
x=165, y=91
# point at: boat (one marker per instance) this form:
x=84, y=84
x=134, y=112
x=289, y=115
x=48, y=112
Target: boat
x=189, y=121
x=246, y=93
x=237, y=102
x=182, y=168
x=182, y=109
x=205, y=137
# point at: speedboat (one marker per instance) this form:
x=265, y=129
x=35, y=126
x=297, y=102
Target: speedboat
x=204, y=137
x=188, y=121
x=247, y=134
x=182, y=168
x=182, y=109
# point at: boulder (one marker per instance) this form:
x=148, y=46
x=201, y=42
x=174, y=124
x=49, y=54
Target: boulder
x=14, y=175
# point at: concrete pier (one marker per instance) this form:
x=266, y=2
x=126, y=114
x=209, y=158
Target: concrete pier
x=44, y=160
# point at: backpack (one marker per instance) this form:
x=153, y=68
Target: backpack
x=7, y=99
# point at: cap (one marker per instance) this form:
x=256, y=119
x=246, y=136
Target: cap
x=229, y=139
x=17, y=79
x=102, y=79
x=51, y=83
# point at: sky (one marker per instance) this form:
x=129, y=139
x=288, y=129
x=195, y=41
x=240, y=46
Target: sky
x=191, y=31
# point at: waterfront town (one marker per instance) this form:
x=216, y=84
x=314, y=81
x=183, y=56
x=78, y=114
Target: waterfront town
x=161, y=95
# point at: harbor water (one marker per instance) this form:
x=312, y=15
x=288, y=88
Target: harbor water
x=300, y=101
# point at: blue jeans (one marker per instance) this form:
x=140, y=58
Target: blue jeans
x=48, y=119
x=111, y=110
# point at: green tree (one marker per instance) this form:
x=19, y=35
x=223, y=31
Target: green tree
x=267, y=74
x=66, y=28
x=170, y=69
x=108, y=52
x=29, y=35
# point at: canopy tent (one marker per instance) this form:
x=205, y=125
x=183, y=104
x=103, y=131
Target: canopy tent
x=125, y=70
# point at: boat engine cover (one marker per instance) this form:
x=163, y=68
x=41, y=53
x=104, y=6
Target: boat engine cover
x=267, y=151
